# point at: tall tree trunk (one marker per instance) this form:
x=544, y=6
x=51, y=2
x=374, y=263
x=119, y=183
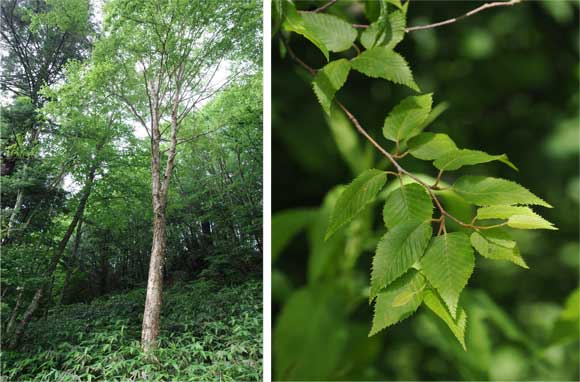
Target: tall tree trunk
x=159, y=189
x=71, y=264
x=34, y=304
x=49, y=298
x=15, y=311
x=153, y=301
x=14, y=215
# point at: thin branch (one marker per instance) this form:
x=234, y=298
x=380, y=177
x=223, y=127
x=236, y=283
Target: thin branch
x=193, y=138
x=298, y=60
x=470, y=13
x=453, y=20
x=322, y=8
x=392, y=158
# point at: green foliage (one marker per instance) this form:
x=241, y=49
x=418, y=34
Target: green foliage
x=411, y=266
x=497, y=244
x=398, y=301
x=287, y=224
x=301, y=348
x=381, y=62
x=429, y=146
x=448, y=263
x=483, y=191
x=456, y=325
x=410, y=202
x=76, y=186
x=388, y=31
x=355, y=198
x=406, y=119
x=490, y=67
x=293, y=22
x=398, y=250
x=329, y=80
x=336, y=34
x=204, y=337
x=454, y=160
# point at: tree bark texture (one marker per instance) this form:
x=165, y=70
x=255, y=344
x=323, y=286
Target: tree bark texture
x=159, y=188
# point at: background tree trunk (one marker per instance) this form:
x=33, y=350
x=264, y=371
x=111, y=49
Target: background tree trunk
x=34, y=304
x=72, y=262
x=15, y=311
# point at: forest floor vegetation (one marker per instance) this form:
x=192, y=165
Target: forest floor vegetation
x=204, y=336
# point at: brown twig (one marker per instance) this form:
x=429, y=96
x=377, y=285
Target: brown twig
x=437, y=180
x=455, y=19
x=293, y=56
x=470, y=13
x=322, y=8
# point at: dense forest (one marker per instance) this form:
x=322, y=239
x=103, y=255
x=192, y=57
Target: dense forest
x=131, y=144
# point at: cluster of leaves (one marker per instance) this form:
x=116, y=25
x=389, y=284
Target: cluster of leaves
x=411, y=266
x=204, y=337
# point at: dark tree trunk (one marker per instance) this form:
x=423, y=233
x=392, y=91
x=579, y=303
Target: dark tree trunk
x=34, y=304
x=15, y=311
x=72, y=262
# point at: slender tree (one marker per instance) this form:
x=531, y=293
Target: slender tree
x=163, y=60
x=88, y=128
x=40, y=37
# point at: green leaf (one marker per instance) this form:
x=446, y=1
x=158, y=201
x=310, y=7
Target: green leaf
x=410, y=202
x=381, y=62
x=286, y=224
x=503, y=212
x=398, y=301
x=398, y=250
x=529, y=222
x=295, y=23
x=355, y=198
x=429, y=146
x=329, y=80
x=457, y=325
x=310, y=334
x=406, y=118
x=566, y=327
x=456, y=159
x=321, y=261
x=519, y=217
x=483, y=191
x=388, y=31
x=496, y=244
x=336, y=34
x=372, y=10
x=447, y=264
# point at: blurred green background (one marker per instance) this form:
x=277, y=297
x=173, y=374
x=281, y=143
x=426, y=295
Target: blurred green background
x=511, y=78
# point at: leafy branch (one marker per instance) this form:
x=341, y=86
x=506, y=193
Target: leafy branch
x=410, y=266
x=393, y=158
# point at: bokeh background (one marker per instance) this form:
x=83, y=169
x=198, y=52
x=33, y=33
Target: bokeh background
x=511, y=78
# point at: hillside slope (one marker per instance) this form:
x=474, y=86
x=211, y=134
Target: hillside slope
x=207, y=333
